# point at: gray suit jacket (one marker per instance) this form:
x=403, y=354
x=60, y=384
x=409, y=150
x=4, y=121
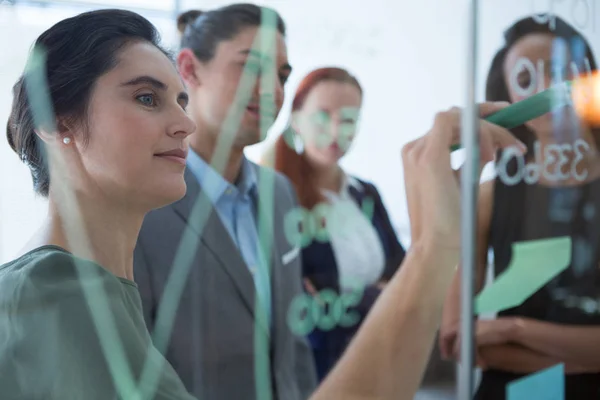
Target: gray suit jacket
x=217, y=344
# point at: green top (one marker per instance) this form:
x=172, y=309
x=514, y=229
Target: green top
x=50, y=347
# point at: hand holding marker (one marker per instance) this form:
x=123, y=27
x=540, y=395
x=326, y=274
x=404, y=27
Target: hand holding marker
x=584, y=95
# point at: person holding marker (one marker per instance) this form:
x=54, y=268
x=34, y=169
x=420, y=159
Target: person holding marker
x=354, y=250
x=552, y=191
x=213, y=342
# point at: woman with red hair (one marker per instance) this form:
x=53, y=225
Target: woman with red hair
x=356, y=246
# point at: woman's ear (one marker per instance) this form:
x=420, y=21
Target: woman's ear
x=293, y=140
x=61, y=130
x=187, y=66
x=47, y=134
x=46, y=137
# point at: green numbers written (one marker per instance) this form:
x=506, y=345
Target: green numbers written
x=325, y=311
x=301, y=226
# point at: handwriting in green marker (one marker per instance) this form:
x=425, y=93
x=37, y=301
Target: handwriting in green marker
x=325, y=312
x=534, y=263
x=321, y=223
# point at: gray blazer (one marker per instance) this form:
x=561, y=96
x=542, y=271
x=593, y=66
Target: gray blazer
x=215, y=341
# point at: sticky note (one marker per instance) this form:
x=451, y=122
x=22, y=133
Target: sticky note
x=548, y=384
x=534, y=263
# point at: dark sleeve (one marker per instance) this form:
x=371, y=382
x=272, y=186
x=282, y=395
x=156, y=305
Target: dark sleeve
x=396, y=252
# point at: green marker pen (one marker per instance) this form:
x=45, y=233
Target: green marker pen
x=535, y=106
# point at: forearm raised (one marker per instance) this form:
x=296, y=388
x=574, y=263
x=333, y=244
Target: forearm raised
x=398, y=333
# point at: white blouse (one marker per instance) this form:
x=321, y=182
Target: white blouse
x=356, y=245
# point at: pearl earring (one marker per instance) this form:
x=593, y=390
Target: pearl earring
x=66, y=140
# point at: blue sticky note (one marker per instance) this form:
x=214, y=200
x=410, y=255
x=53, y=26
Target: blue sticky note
x=548, y=384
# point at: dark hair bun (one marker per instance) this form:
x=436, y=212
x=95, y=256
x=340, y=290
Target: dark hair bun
x=186, y=19
x=207, y=29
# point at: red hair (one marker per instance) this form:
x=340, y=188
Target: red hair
x=296, y=166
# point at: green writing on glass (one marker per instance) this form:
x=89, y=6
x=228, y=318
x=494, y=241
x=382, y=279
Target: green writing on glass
x=324, y=311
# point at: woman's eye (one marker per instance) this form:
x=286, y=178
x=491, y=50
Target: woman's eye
x=524, y=79
x=320, y=118
x=252, y=66
x=147, y=100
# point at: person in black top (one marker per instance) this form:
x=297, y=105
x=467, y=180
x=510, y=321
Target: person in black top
x=556, y=195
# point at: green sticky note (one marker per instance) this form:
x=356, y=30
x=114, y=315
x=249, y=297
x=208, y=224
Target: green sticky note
x=534, y=263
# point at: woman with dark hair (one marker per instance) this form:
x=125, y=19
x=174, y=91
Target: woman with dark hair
x=551, y=192
x=360, y=251
x=121, y=138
